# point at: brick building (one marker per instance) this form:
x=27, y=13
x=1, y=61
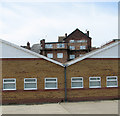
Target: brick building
x=68, y=47
x=94, y=76
x=28, y=77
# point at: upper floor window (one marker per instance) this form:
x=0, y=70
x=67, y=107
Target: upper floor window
x=72, y=41
x=77, y=82
x=82, y=47
x=72, y=47
x=50, y=55
x=81, y=41
x=48, y=46
x=9, y=84
x=30, y=83
x=94, y=82
x=112, y=81
x=72, y=56
x=60, y=45
x=50, y=83
x=59, y=55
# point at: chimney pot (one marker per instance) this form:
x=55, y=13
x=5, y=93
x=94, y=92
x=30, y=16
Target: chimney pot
x=65, y=34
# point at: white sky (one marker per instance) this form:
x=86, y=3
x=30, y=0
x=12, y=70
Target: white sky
x=21, y=22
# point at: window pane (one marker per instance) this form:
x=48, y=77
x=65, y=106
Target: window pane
x=9, y=86
x=50, y=55
x=72, y=41
x=111, y=78
x=95, y=78
x=59, y=55
x=94, y=83
x=9, y=80
x=111, y=83
x=60, y=45
x=72, y=56
x=76, y=84
x=76, y=79
x=50, y=79
x=30, y=85
x=30, y=80
x=51, y=85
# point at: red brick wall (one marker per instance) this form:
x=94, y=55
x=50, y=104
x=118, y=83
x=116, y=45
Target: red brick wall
x=32, y=68
x=91, y=68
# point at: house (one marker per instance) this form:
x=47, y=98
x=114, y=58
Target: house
x=68, y=47
x=28, y=77
x=95, y=75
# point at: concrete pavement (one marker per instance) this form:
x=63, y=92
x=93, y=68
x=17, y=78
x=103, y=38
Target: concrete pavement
x=89, y=107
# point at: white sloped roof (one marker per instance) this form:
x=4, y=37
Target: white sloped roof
x=10, y=50
x=109, y=51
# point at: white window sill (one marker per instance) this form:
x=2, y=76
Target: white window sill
x=31, y=89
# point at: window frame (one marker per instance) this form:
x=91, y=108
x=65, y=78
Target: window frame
x=93, y=81
x=48, y=45
x=8, y=83
x=72, y=41
x=59, y=53
x=72, y=55
x=30, y=82
x=82, y=47
x=111, y=80
x=50, y=54
x=77, y=82
x=58, y=45
x=51, y=82
x=72, y=47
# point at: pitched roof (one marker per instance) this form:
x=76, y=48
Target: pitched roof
x=75, y=31
x=92, y=53
x=30, y=52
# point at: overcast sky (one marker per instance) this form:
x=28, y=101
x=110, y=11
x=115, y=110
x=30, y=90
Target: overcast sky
x=21, y=22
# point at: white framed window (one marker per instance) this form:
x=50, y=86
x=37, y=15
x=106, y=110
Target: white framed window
x=59, y=55
x=51, y=83
x=72, y=47
x=94, y=82
x=72, y=56
x=60, y=45
x=77, y=82
x=72, y=41
x=48, y=46
x=112, y=81
x=82, y=47
x=50, y=55
x=9, y=84
x=30, y=83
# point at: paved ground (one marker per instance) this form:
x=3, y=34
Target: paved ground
x=98, y=107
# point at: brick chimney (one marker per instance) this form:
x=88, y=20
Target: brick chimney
x=87, y=33
x=42, y=43
x=28, y=45
x=65, y=35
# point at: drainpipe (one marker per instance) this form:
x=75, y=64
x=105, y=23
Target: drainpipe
x=65, y=84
